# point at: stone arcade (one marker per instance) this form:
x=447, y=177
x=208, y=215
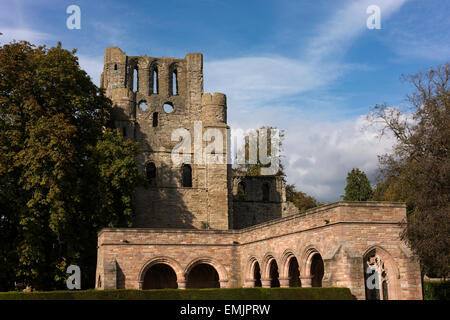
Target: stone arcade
x=198, y=226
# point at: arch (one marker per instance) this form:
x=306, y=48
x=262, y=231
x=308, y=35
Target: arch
x=150, y=172
x=186, y=176
x=253, y=273
x=265, y=192
x=270, y=270
x=115, y=66
x=135, y=81
x=160, y=276
x=174, y=73
x=380, y=267
x=312, y=266
x=221, y=272
x=161, y=260
x=154, y=78
x=290, y=268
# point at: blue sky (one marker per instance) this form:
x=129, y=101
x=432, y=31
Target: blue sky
x=312, y=68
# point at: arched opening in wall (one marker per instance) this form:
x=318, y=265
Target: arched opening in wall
x=174, y=83
x=155, y=119
x=168, y=107
x=241, y=191
x=294, y=273
x=265, y=192
x=186, y=176
x=375, y=277
x=317, y=270
x=143, y=106
x=160, y=276
x=115, y=66
x=135, y=80
x=274, y=276
x=203, y=276
x=155, y=81
x=150, y=171
x=257, y=275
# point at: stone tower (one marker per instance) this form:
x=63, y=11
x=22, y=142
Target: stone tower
x=152, y=98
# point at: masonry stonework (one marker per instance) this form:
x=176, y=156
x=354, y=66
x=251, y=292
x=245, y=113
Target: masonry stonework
x=216, y=230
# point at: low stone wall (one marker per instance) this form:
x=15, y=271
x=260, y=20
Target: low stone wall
x=342, y=235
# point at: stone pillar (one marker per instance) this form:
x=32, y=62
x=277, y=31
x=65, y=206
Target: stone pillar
x=266, y=283
x=306, y=281
x=284, y=282
x=181, y=284
x=141, y=285
x=223, y=283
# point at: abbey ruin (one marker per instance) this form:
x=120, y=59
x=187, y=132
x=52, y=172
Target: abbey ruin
x=197, y=226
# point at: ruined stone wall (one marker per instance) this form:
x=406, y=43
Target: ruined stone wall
x=250, y=208
x=165, y=203
x=341, y=233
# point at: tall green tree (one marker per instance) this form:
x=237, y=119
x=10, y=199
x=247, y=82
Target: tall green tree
x=418, y=169
x=358, y=186
x=64, y=174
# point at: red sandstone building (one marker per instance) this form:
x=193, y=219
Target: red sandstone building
x=197, y=226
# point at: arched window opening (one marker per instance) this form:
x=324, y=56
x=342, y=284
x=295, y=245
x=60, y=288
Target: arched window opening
x=135, y=80
x=265, y=192
x=257, y=275
x=168, y=107
x=174, y=83
x=143, y=106
x=186, y=176
x=150, y=171
x=155, y=119
x=160, y=276
x=241, y=191
x=375, y=276
x=294, y=273
x=274, y=281
x=115, y=67
x=155, y=83
x=317, y=270
x=203, y=276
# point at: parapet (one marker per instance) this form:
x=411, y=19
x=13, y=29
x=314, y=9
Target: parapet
x=214, y=107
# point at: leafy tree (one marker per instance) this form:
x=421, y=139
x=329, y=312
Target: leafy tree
x=300, y=199
x=63, y=173
x=358, y=186
x=418, y=169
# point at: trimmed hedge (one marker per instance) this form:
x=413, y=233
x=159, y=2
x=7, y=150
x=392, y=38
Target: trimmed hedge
x=436, y=290
x=188, y=294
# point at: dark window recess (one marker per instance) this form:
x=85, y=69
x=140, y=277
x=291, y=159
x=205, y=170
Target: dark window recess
x=115, y=67
x=186, y=175
x=150, y=169
x=155, y=119
x=266, y=191
x=124, y=131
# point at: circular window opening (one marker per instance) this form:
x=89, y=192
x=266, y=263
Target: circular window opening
x=168, y=108
x=143, y=106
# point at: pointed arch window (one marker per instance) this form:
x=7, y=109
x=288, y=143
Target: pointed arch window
x=135, y=86
x=154, y=80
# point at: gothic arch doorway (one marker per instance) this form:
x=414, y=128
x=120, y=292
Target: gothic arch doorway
x=317, y=270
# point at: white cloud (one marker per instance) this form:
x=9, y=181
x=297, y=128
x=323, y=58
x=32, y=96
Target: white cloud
x=319, y=154
x=10, y=34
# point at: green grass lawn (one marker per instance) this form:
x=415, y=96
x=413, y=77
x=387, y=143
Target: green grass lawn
x=188, y=294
